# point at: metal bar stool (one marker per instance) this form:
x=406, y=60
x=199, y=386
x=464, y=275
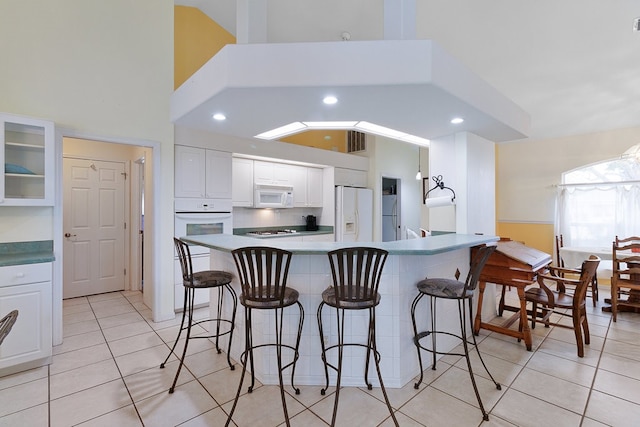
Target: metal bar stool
x=202, y=280
x=461, y=292
x=263, y=272
x=356, y=277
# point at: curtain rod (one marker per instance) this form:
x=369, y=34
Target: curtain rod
x=597, y=183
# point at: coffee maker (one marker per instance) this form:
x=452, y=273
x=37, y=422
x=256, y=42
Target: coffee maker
x=312, y=224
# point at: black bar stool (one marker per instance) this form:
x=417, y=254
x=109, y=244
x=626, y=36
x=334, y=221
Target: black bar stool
x=461, y=292
x=356, y=278
x=263, y=272
x=201, y=280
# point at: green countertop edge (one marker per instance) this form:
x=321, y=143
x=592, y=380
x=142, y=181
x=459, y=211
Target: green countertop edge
x=18, y=253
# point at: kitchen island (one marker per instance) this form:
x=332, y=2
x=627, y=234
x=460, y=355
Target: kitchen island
x=409, y=261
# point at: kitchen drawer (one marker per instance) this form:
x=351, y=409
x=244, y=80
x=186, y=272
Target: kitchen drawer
x=13, y=275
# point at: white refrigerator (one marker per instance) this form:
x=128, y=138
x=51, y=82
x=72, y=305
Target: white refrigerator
x=390, y=224
x=354, y=214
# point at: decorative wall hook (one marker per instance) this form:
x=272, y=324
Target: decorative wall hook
x=439, y=183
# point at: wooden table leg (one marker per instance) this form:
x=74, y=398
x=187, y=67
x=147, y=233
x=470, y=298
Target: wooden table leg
x=524, y=323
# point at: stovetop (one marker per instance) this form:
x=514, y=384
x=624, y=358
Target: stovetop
x=271, y=232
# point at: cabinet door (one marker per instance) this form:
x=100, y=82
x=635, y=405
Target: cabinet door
x=190, y=175
x=30, y=337
x=27, y=153
x=314, y=187
x=242, y=182
x=298, y=180
x=271, y=173
x=350, y=177
x=218, y=173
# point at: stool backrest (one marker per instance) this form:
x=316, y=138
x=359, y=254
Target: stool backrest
x=356, y=273
x=184, y=256
x=262, y=272
x=477, y=264
x=6, y=323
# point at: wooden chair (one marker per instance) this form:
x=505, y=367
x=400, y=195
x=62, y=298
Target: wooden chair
x=575, y=271
x=626, y=273
x=561, y=302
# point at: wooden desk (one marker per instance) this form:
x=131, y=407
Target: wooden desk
x=512, y=264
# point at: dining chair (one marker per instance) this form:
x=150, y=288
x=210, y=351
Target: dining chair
x=626, y=274
x=559, y=301
x=206, y=279
x=462, y=293
x=574, y=271
x=262, y=273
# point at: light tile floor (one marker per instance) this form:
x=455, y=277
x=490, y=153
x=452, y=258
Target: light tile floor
x=106, y=373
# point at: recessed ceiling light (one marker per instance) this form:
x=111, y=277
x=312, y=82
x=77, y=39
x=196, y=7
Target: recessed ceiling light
x=219, y=117
x=330, y=100
x=457, y=120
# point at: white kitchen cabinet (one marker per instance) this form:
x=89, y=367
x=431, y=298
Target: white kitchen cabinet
x=271, y=173
x=26, y=288
x=307, y=186
x=350, y=177
x=242, y=182
x=27, y=153
x=202, y=173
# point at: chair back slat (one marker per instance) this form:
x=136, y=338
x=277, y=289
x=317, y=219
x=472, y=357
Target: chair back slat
x=587, y=272
x=262, y=272
x=356, y=273
x=626, y=257
x=184, y=256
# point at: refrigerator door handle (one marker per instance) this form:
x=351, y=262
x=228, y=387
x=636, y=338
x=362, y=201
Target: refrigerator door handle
x=357, y=221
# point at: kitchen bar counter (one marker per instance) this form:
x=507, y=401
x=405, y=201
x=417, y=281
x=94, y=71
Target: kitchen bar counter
x=409, y=261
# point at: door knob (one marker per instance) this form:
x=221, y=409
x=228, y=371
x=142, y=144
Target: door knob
x=69, y=235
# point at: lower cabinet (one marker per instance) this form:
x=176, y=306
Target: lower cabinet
x=26, y=288
x=318, y=238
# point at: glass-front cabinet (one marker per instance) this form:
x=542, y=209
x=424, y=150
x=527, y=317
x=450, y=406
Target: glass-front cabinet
x=27, y=152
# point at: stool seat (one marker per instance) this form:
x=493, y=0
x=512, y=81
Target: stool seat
x=209, y=279
x=291, y=297
x=443, y=288
x=357, y=303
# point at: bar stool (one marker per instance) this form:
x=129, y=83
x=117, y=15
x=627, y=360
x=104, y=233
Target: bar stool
x=356, y=277
x=262, y=272
x=451, y=289
x=191, y=281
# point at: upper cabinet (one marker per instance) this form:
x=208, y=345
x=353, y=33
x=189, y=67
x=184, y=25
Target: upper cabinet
x=202, y=173
x=307, y=185
x=350, y=177
x=27, y=152
x=242, y=183
x=271, y=173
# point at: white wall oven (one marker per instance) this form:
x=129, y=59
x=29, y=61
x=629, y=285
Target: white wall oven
x=197, y=217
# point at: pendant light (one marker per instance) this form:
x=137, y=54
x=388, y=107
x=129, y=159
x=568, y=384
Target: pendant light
x=419, y=174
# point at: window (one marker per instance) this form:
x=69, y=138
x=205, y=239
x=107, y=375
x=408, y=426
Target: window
x=599, y=201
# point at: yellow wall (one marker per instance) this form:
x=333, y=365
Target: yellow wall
x=538, y=236
x=197, y=39
x=318, y=139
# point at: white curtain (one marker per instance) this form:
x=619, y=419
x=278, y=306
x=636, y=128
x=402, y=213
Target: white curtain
x=592, y=215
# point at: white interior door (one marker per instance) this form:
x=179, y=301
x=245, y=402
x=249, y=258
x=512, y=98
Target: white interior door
x=94, y=227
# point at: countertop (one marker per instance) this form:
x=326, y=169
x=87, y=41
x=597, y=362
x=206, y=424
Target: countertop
x=423, y=246
x=18, y=253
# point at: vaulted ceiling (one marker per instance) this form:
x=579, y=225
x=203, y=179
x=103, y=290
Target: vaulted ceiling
x=573, y=65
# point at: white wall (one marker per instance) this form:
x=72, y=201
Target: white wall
x=102, y=70
x=528, y=171
x=394, y=159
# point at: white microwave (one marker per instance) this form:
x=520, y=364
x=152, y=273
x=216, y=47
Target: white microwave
x=273, y=196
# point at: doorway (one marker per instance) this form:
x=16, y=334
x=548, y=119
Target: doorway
x=391, y=218
x=101, y=219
